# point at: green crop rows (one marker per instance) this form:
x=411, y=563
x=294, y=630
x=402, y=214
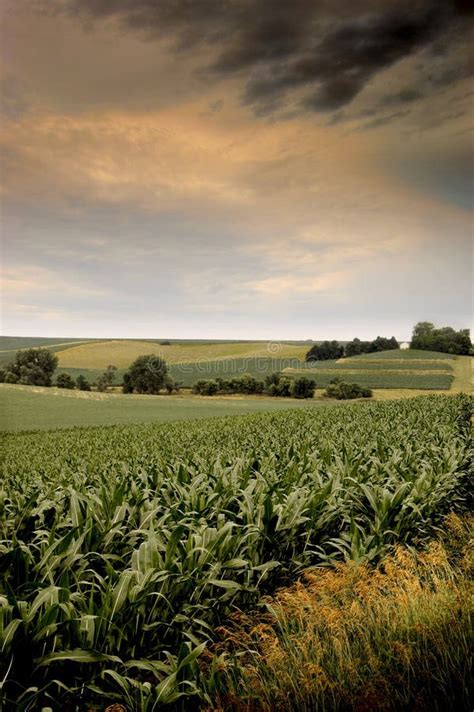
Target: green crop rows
x=381, y=379
x=122, y=548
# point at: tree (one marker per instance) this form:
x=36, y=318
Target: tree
x=383, y=344
x=303, y=387
x=428, y=338
x=82, y=384
x=32, y=367
x=326, y=351
x=147, y=374
x=278, y=385
x=107, y=378
x=64, y=380
x=353, y=348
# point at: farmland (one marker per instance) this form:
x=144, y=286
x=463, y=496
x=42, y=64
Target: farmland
x=123, y=352
x=124, y=548
x=33, y=408
x=190, y=361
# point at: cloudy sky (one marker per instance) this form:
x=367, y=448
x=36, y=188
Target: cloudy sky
x=235, y=168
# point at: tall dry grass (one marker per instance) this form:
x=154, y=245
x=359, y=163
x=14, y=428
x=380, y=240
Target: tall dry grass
x=394, y=638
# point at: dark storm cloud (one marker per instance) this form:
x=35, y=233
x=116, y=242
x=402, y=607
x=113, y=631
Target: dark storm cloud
x=328, y=50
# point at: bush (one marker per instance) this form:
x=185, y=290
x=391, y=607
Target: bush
x=206, y=388
x=240, y=384
x=278, y=385
x=64, y=380
x=82, y=384
x=165, y=343
x=106, y=379
x=32, y=367
x=244, y=384
x=147, y=374
x=303, y=387
x=346, y=391
x=171, y=385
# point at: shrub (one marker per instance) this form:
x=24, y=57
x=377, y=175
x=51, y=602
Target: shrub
x=82, y=384
x=303, y=387
x=278, y=385
x=171, y=385
x=64, y=380
x=32, y=367
x=346, y=391
x=106, y=379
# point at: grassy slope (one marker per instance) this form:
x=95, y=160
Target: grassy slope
x=121, y=352
x=31, y=408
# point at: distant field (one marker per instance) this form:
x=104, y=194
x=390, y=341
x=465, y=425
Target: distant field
x=121, y=353
x=411, y=369
x=382, y=379
x=407, y=354
x=31, y=408
x=191, y=360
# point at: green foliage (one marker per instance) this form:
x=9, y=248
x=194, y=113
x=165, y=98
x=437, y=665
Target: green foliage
x=123, y=548
x=446, y=339
x=381, y=343
x=32, y=367
x=64, y=380
x=147, y=374
x=246, y=384
x=302, y=387
x=106, y=380
x=171, y=385
x=276, y=384
x=346, y=391
x=82, y=384
x=325, y=351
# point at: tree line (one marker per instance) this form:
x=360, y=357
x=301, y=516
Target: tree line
x=276, y=384
x=425, y=337
x=333, y=350
x=428, y=338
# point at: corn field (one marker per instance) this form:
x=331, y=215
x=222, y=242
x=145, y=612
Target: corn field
x=123, y=548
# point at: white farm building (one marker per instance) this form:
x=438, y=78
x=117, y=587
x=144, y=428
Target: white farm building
x=404, y=345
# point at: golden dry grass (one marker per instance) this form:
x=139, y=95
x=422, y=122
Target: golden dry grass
x=356, y=638
x=121, y=353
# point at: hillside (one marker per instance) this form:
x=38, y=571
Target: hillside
x=191, y=360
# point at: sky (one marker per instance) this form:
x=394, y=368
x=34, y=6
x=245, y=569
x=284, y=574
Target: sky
x=245, y=169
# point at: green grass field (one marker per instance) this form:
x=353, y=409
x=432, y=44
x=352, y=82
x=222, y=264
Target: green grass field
x=411, y=369
x=31, y=408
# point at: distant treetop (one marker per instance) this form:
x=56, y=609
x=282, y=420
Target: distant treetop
x=427, y=337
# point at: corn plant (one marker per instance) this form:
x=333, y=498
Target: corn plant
x=123, y=548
